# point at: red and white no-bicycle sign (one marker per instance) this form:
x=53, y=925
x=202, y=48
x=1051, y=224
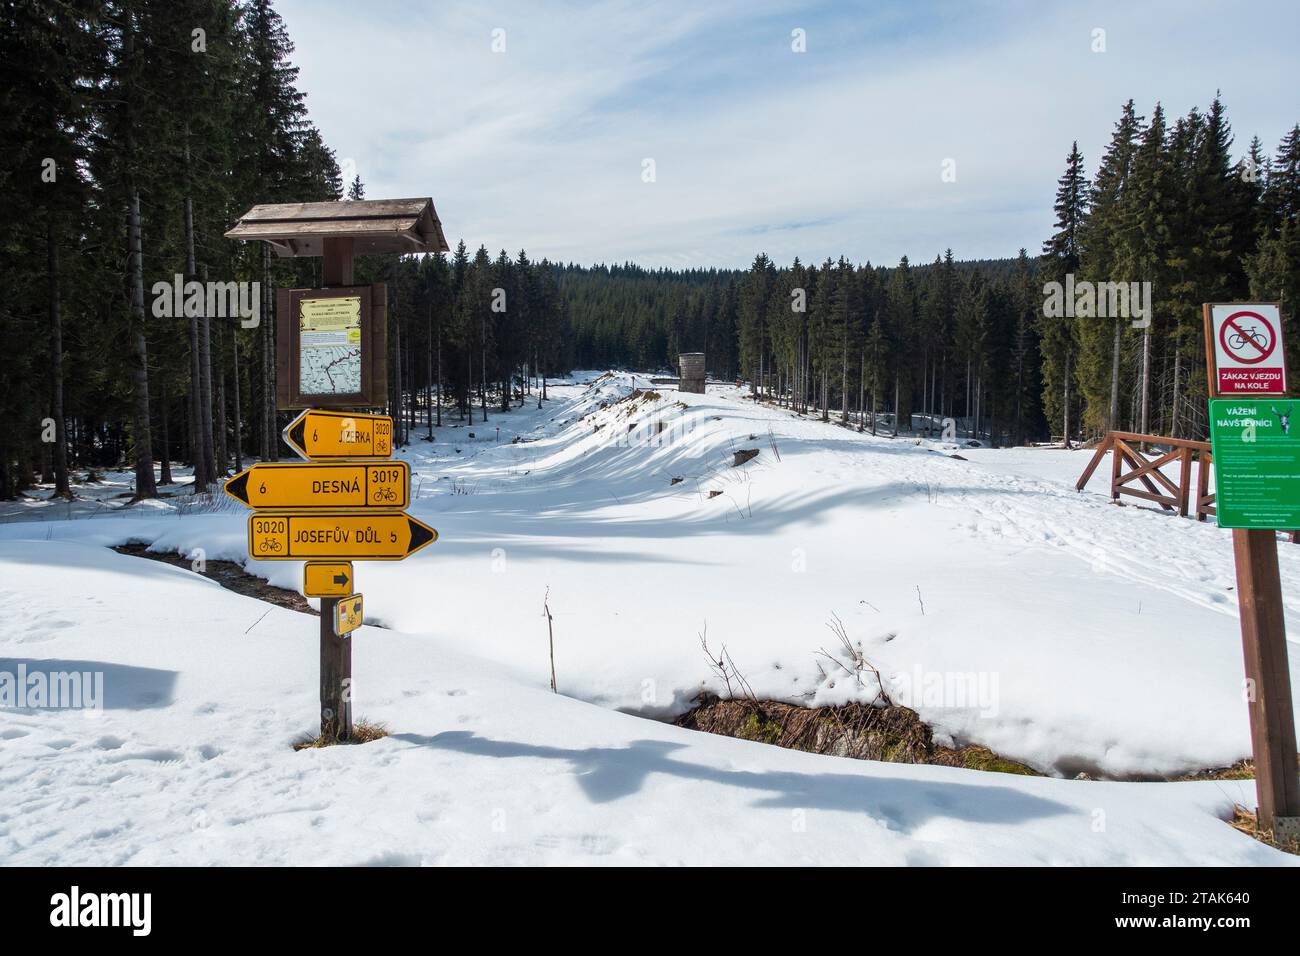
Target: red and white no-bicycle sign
x=1244, y=341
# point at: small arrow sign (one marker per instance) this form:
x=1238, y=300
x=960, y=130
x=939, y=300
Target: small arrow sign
x=347, y=615
x=334, y=436
x=342, y=535
x=335, y=486
x=327, y=578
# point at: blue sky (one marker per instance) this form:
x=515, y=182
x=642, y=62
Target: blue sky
x=838, y=150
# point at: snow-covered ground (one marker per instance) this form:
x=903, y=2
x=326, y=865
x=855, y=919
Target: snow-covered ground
x=1009, y=610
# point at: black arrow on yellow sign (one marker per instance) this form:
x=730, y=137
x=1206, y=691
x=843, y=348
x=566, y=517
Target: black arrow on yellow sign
x=327, y=578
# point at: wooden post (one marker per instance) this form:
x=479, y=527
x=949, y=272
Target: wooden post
x=1268, y=677
x=336, y=262
x=1116, y=465
x=1203, y=484
x=1268, y=674
x=335, y=651
x=1184, y=481
x=335, y=677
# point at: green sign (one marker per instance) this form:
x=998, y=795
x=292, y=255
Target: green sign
x=1256, y=448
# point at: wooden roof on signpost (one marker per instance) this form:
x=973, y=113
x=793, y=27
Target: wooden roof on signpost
x=373, y=225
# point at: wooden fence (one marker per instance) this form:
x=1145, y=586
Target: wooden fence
x=1129, y=467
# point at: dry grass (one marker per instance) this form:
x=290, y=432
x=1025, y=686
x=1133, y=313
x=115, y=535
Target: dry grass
x=1246, y=821
x=861, y=731
x=363, y=732
x=1241, y=770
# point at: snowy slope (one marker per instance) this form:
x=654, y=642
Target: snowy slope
x=189, y=762
x=1008, y=609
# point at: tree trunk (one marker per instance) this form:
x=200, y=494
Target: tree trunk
x=165, y=476
x=970, y=421
x=1178, y=374
x=1114, y=379
x=60, y=450
x=1066, y=406
x=197, y=459
x=844, y=381
x=142, y=434
x=862, y=391
x=896, y=419
x=482, y=368
x=237, y=433
x=428, y=375
x=399, y=412
x=223, y=459
x=201, y=427
x=205, y=393
x=1146, y=379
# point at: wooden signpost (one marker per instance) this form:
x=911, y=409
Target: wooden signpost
x=344, y=502
x=1245, y=355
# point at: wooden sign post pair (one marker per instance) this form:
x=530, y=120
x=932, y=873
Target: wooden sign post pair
x=1256, y=453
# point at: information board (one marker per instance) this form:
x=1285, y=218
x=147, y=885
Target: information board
x=1256, y=449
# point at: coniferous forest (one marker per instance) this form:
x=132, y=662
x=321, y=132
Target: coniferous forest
x=127, y=158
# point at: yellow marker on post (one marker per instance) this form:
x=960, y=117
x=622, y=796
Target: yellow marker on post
x=347, y=615
x=327, y=579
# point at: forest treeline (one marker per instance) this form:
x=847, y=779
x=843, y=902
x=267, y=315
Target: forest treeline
x=1168, y=208
x=135, y=133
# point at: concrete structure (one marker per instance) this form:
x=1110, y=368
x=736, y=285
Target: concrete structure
x=692, y=371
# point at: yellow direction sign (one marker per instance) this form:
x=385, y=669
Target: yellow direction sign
x=347, y=615
x=344, y=535
x=302, y=485
x=333, y=436
x=327, y=578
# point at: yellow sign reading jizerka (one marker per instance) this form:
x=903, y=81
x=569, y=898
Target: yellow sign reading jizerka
x=329, y=345
x=322, y=436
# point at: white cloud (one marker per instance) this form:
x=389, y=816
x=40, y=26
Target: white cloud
x=837, y=150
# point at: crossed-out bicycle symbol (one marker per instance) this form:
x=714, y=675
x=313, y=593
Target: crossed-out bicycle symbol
x=1252, y=333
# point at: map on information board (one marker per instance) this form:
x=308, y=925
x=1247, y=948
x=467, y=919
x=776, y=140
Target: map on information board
x=329, y=346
